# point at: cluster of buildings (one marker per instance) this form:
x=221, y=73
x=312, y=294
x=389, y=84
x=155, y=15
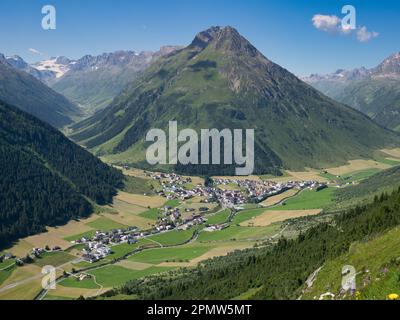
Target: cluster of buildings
x=255, y=191
x=95, y=251
x=174, y=186
x=98, y=247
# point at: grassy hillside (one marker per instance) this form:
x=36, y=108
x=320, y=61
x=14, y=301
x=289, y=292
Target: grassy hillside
x=377, y=264
x=45, y=178
x=377, y=97
x=384, y=181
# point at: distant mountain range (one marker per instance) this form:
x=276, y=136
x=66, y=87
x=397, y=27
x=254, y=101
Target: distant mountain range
x=92, y=81
x=19, y=86
x=375, y=92
x=221, y=81
x=46, y=179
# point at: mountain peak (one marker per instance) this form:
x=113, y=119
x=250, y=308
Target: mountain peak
x=2, y=58
x=389, y=66
x=227, y=39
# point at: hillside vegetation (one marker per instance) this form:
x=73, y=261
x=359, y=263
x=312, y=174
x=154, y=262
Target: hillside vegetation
x=20, y=89
x=277, y=273
x=45, y=179
x=384, y=181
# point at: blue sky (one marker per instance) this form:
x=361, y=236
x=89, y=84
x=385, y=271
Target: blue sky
x=282, y=30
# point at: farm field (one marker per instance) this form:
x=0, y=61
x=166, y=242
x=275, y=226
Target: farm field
x=181, y=254
x=221, y=249
x=218, y=218
x=357, y=165
x=353, y=176
x=238, y=233
x=308, y=199
x=395, y=153
x=278, y=198
x=113, y=276
x=105, y=224
x=129, y=214
x=172, y=238
x=269, y=217
x=68, y=293
x=54, y=259
x=141, y=200
x=75, y=283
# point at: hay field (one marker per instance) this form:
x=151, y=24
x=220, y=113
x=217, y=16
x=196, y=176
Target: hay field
x=395, y=153
x=25, y=291
x=270, y=217
x=357, y=165
x=73, y=292
x=212, y=253
x=141, y=200
x=134, y=265
x=278, y=198
x=129, y=214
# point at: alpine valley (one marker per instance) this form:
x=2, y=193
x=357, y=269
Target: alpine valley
x=77, y=193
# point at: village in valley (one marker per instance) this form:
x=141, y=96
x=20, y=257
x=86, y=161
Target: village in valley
x=227, y=193
x=171, y=218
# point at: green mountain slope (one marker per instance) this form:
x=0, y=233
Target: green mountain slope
x=45, y=179
x=376, y=263
x=222, y=81
x=279, y=272
x=93, y=82
x=31, y=95
x=375, y=92
x=378, y=98
x=366, y=190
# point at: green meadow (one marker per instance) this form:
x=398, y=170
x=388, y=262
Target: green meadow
x=218, y=218
x=156, y=256
x=307, y=200
x=105, y=224
x=114, y=276
x=174, y=237
x=237, y=233
x=75, y=283
x=87, y=234
x=53, y=259
x=150, y=214
x=247, y=215
x=6, y=271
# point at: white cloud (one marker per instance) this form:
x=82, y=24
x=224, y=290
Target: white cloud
x=326, y=23
x=333, y=24
x=363, y=35
x=34, y=51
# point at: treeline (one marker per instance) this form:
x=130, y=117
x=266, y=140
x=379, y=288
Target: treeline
x=45, y=179
x=277, y=273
